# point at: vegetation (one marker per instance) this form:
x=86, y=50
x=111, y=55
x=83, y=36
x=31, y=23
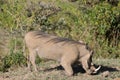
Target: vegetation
x=96, y=22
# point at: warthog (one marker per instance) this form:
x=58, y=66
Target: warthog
x=64, y=50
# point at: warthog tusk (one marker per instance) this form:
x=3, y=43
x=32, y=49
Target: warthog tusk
x=97, y=69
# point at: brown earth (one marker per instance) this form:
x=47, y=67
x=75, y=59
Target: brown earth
x=49, y=71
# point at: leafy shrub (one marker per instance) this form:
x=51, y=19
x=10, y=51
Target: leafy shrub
x=105, y=19
x=13, y=59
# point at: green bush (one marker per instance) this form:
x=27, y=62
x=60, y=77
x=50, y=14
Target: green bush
x=105, y=20
x=13, y=59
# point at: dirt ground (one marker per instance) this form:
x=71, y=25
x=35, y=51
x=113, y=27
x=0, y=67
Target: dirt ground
x=51, y=70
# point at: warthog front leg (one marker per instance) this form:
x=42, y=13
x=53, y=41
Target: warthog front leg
x=86, y=67
x=66, y=64
x=67, y=68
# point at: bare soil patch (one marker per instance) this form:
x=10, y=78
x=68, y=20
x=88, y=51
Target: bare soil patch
x=53, y=71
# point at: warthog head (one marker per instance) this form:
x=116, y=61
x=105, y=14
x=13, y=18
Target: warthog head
x=86, y=59
x=91, y=67
x=94, y=70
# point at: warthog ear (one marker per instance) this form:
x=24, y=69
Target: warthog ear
x=91, y=52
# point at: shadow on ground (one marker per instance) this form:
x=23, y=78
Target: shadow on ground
x=79, y=69
x=108, y=68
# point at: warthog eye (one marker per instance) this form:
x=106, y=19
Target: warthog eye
x=89, y=49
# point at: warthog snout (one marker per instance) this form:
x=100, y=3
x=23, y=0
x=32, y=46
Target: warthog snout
x=94, y=70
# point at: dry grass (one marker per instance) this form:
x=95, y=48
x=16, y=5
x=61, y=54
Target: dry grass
x=3, y=42
x=49, y=71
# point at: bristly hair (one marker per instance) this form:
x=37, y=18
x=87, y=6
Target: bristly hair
x=41, y=34
x=64, y=41
x=56, y=39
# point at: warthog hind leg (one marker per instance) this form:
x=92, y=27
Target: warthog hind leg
x=32, y=58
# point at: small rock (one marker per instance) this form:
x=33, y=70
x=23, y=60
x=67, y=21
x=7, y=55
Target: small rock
x=106, y=74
